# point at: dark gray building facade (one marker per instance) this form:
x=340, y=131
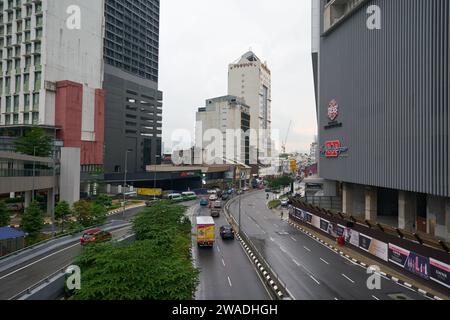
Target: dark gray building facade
x=381, y=71
x=133, y=103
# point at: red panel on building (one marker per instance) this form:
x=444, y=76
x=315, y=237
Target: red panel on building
x=69, y=115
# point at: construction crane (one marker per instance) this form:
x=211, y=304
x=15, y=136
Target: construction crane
x=287, y=136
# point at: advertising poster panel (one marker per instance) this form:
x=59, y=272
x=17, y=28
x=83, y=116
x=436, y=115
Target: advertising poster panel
x=375, y=247
x=324, y=224
x=440, y=272
x=418, y=264
x=398, y=255
x=315, y=221
x=352, y=237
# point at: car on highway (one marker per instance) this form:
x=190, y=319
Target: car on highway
x=175, y=197
x=217, y=204
x=225, y=197
x=226, y=232
x=187, y=196
x=213, y=197
x=215, y=212
x=204, y=202
x=95, y=236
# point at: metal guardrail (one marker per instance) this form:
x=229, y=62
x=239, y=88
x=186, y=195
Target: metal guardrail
x=56, y=275
x=15, y=253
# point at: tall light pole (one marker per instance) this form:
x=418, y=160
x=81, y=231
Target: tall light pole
x=34, y=170
x=154, y=177
x=125, y=180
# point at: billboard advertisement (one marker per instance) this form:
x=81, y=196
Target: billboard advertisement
x=409, y=260
x=352, y=237
x=440, y=272
x=418, y=264
x=375, y=247
x=315, y=221
x=398, y=255
x=324, y=224
x=149, y=192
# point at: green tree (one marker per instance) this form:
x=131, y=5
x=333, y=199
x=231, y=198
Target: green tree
x=104, y=200
x=33, y=220
x=283, y=181
x=5, y=215
x=35, y=138
x=82, y=211
x=157, y=266
x=99, y=214
x=62, y=212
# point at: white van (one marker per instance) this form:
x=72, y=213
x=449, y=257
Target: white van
x=175, y=197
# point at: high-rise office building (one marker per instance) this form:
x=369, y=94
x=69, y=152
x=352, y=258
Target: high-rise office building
x=381, y=76
x=228, y=117
x=133, y=104
x=250, y=79
x=52, y=74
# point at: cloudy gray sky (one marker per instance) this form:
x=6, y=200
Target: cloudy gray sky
x=199, y=38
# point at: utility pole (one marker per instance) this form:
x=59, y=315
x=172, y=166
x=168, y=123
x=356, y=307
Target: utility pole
x=154, y=178
x=125, y=181
x=54, y=185
x=34, y=170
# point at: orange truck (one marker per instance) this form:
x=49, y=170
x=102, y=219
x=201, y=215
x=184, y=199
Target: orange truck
x=206, y=231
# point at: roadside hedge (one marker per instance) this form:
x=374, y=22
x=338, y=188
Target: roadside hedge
x=157, y=266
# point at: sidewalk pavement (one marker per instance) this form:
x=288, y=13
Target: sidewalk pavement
x=364, y=260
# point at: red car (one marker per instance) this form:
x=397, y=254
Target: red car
x=94, y=236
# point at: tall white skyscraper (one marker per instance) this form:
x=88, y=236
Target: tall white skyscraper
x=250, y=79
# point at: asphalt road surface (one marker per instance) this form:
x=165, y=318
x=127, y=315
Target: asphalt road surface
x=27, y=274
x=310, y=270
x=226, y=272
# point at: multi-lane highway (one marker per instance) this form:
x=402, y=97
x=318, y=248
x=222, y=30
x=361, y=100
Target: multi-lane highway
x=310, y=270
x=226, y=272
x=27, y=273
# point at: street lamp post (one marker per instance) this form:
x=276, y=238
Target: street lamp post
x=125, y=180
x=34, y=173
x=154, y=178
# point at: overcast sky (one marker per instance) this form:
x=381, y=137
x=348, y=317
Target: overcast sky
x=199, y=38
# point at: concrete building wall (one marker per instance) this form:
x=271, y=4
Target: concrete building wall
x=248, y=79
x=131, y=124
x=391, y=86
x=70, y=175
x=224, y=115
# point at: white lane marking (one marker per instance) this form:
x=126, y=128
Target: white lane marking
x=348, y=278
x=272, y=239
x=218, y=248
x=223, y=262
x=229, y=281
x=314, y=279
x=37, y=261
x=293, y=239
x=336, y=299
x=283, y=249
x=324, y=261
x=375, y=298
x=296, y=262
x=307, y=249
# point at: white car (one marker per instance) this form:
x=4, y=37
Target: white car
x=213, y=197
x=284, y=202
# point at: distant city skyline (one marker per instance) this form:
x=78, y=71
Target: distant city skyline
x=198, y=43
